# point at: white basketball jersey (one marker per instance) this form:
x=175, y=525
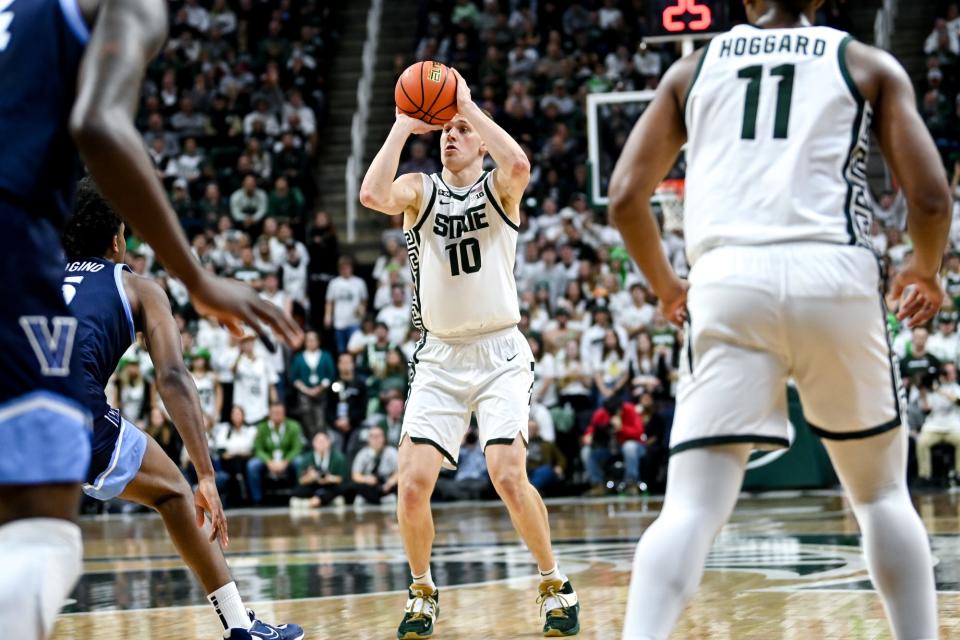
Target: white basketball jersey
x=778, y=136
x=462, y=249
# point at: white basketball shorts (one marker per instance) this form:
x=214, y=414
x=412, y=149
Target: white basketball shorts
x=491, y=375
x=761, y=315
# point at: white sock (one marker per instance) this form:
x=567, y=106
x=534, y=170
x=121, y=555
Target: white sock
x=41, y=559
x=229, y=606
x=552, y=574
x=702, y=489
x=426, y=580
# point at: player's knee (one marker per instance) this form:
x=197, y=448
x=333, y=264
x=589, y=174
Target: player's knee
x=510, y=482
x=173, y=494
x=414, y=489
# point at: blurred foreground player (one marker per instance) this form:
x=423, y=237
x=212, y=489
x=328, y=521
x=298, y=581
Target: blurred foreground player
x=44, y=428
x=784, y=283
x=111, y=304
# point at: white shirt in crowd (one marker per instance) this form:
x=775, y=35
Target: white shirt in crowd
x=234, y=442
x=397, y=319
x=945, y=348
x=944, y=411
x=347, y=296
x=251, y=387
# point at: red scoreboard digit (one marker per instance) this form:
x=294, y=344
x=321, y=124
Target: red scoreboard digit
x=686, y=17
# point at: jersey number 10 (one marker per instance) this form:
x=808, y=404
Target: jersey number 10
x=784, y=95
x=464, y=255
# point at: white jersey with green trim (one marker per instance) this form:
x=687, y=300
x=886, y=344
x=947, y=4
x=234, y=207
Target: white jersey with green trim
x=462, y=250
x=778, y=136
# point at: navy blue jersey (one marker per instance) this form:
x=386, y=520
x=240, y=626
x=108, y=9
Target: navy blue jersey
x=41, y=43
x=105, y=329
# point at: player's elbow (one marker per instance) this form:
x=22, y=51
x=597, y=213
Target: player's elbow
x=519, y=168
x=174, y=379
x=370, y=198
x=934, y=201
x=620, y=194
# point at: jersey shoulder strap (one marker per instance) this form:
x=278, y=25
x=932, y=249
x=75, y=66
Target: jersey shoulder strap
x=490, y=187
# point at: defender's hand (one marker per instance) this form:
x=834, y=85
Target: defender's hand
x=235, y=304
x=924, y=295
x=207, y=499
x=414, y=125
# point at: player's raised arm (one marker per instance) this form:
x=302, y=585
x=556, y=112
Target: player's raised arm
x=647, y=157
x=178, y=392
x=513, y=166
x=379, y=191
x=913, y=157
x=128, y=33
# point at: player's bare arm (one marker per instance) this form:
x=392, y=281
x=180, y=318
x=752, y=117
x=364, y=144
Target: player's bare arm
x=647, y=157
x=178, y=392
x=379, y=191
x=127, y=35
x=915, y=162
x=513, y=166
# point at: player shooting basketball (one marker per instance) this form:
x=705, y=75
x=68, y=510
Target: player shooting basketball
x=461, y=230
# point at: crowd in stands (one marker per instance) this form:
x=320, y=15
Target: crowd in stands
x=230, y=114
x=930, y=354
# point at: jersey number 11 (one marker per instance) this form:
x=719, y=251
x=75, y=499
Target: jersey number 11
x=784, y=94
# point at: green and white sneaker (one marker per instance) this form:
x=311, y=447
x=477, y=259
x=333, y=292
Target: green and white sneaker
x=420, y=614
x=559, y=602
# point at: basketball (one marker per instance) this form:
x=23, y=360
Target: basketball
x=427, y=91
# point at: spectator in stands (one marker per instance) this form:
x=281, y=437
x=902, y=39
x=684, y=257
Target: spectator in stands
x=233, y=442
x=942, y=40
x=919, y=367
x=419, y=161
x=188, y=122
x=322, y=474
x=248, y=204
x=285, y=202
x=278, y=442
x=942, y=424
x=944, y=344
x=470, y=481
x=312, y=372
x=346, y=303
x=254, y=381
x=611, y=376
x=131, y=391
x=391, y=421
x=396, y=315
x=616, y=425
x=347, y=400
x=546, y=465
x=374, y=470
x=162, y=430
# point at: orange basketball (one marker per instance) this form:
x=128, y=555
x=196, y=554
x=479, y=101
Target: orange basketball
x=427, y=91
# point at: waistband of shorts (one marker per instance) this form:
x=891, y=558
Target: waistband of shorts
x=475, y=338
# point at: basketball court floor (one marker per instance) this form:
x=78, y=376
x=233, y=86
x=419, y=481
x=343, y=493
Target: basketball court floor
x=787, y=566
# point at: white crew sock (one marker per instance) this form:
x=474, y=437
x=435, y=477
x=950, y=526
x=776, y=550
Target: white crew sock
x=426, y=580
x=41, y=559
x=552, y=574
x=229, y=606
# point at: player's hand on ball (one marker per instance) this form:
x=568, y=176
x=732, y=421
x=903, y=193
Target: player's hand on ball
x=414, y=125
x=234, y=304
x=464, y=99
x=673, y=302
x=920, y=295
x=207, y=500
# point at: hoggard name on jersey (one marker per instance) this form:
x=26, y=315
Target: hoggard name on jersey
x=773, y=43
